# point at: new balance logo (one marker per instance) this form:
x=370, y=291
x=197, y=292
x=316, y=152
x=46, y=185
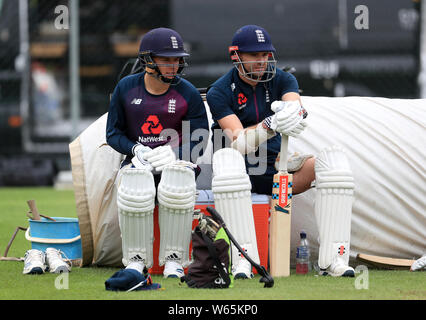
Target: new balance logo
x=174, y=42
x=260, y=36
x=136, y=101
x=172, y=106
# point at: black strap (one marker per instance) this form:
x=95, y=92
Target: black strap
x=220, y=267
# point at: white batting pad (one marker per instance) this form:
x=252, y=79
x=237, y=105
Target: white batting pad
x=136, y=202
x=176, y=198
x=333, y=205
x=231, y=188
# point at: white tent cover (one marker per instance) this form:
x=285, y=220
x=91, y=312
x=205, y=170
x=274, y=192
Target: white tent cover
x=385, y=141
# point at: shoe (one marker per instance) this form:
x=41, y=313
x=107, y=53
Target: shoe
x=34, y=262
x=55, y=262
x=243, y=270
x=419, y=264
x=137, y=263
x=173, y=269
x=338, y=269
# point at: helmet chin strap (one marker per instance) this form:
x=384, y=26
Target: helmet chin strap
x=160, y=77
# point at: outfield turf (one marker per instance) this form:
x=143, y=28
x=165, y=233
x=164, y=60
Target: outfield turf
x=88, y=283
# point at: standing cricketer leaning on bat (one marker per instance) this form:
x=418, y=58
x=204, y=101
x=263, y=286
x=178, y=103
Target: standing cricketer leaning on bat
x=255, y=103
x=142, y=106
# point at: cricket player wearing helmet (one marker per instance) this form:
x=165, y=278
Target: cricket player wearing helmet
x=241, y=103
x=142, y=107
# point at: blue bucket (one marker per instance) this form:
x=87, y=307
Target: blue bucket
x=62, y=234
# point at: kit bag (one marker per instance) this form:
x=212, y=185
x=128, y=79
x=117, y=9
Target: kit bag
x=211, y=261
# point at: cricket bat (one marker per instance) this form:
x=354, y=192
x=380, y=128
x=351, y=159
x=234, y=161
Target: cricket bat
x=385, y=262
x=280, y=223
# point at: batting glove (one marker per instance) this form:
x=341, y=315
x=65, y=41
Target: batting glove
x=139, y=160
x=289, y=118
x=160, y=157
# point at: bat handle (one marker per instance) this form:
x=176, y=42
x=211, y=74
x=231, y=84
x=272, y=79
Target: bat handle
x=215, y=215
x=282, y=165
x=33, y=208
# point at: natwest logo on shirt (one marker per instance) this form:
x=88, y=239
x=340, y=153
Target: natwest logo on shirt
x=242, y=99
x=152, y=125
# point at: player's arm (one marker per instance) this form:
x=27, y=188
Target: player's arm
x=291, y=96
x=289, y=113
x=115, y=127
x=231, y=125
x=245, y=140
x=197, y=117
x=288, y=86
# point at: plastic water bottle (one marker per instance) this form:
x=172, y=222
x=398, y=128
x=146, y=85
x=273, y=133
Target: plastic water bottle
x=302, y=255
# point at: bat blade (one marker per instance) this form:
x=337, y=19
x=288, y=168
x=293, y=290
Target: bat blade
x=385, y=262
x=280, y=224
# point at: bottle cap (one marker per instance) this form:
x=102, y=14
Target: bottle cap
x=302, y=234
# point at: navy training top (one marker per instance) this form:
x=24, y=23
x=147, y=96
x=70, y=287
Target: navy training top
x=137, y=116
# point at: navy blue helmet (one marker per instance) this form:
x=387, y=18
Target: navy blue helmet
x=162, y=42
x=251, y=39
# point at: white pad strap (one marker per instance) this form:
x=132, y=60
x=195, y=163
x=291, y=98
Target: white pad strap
x=136, y=202
x=232, y=197
x=333, y=205
x=176, y=198
x=295, y=162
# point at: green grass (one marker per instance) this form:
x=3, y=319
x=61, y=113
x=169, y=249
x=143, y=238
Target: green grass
x=88, y=283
